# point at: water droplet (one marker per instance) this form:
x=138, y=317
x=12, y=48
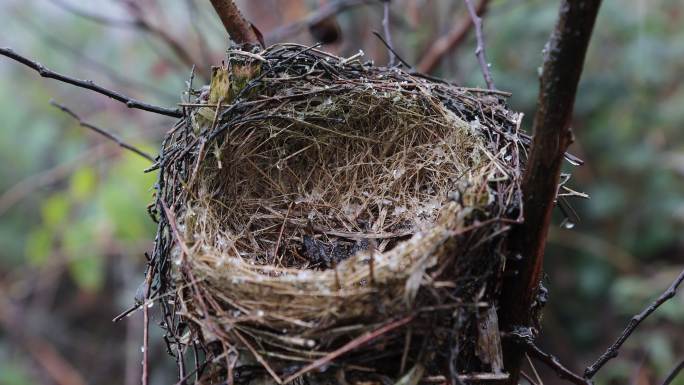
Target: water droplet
x=142, y=349
x=567, y=224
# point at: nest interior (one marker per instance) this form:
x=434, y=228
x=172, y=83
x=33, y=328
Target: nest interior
x=320, y=215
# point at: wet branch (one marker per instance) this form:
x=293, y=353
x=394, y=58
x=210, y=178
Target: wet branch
x=613, y=350
x=562, y=67
x=552, y=362
x=102, y=132
x=673, y=374
x=88, y=84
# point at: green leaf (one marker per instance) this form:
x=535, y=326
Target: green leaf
x=88, y=272
x=660, y=349
x=83, y=183
x=85, y=261
x=54, y=210
x=124, y=197
x=13, y=373
x=78, y=237
x=38, y=245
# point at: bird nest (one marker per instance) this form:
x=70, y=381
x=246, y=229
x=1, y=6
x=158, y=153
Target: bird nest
x=327, y=220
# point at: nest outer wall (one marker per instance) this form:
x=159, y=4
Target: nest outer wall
x=318, y=213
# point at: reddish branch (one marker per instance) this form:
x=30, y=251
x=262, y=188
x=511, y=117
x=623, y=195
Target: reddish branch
x=613, y=350
x=449, y=42
x=239, y=29
x=563, y=61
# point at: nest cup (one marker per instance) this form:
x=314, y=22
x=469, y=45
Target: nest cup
x=322, y=217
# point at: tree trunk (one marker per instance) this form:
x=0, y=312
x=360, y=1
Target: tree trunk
x=563, y=61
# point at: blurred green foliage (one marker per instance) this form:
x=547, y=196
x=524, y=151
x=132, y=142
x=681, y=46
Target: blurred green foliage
x=88, y=214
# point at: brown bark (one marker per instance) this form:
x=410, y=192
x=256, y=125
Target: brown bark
x=563, y=61
x=239, y=29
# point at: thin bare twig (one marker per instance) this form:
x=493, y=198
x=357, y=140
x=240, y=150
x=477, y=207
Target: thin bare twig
x=386, y=29
x=389, y=48
x=613, y=350
x=146, y=330
x=552, y=362
x=259, y=358
x=673, y=374
x=89, y=85
x=102, y=132
x=534, y=370
x=351, y=345
x=449, y=42
x=480, y=50
x=55, y=44
x=528, y=378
